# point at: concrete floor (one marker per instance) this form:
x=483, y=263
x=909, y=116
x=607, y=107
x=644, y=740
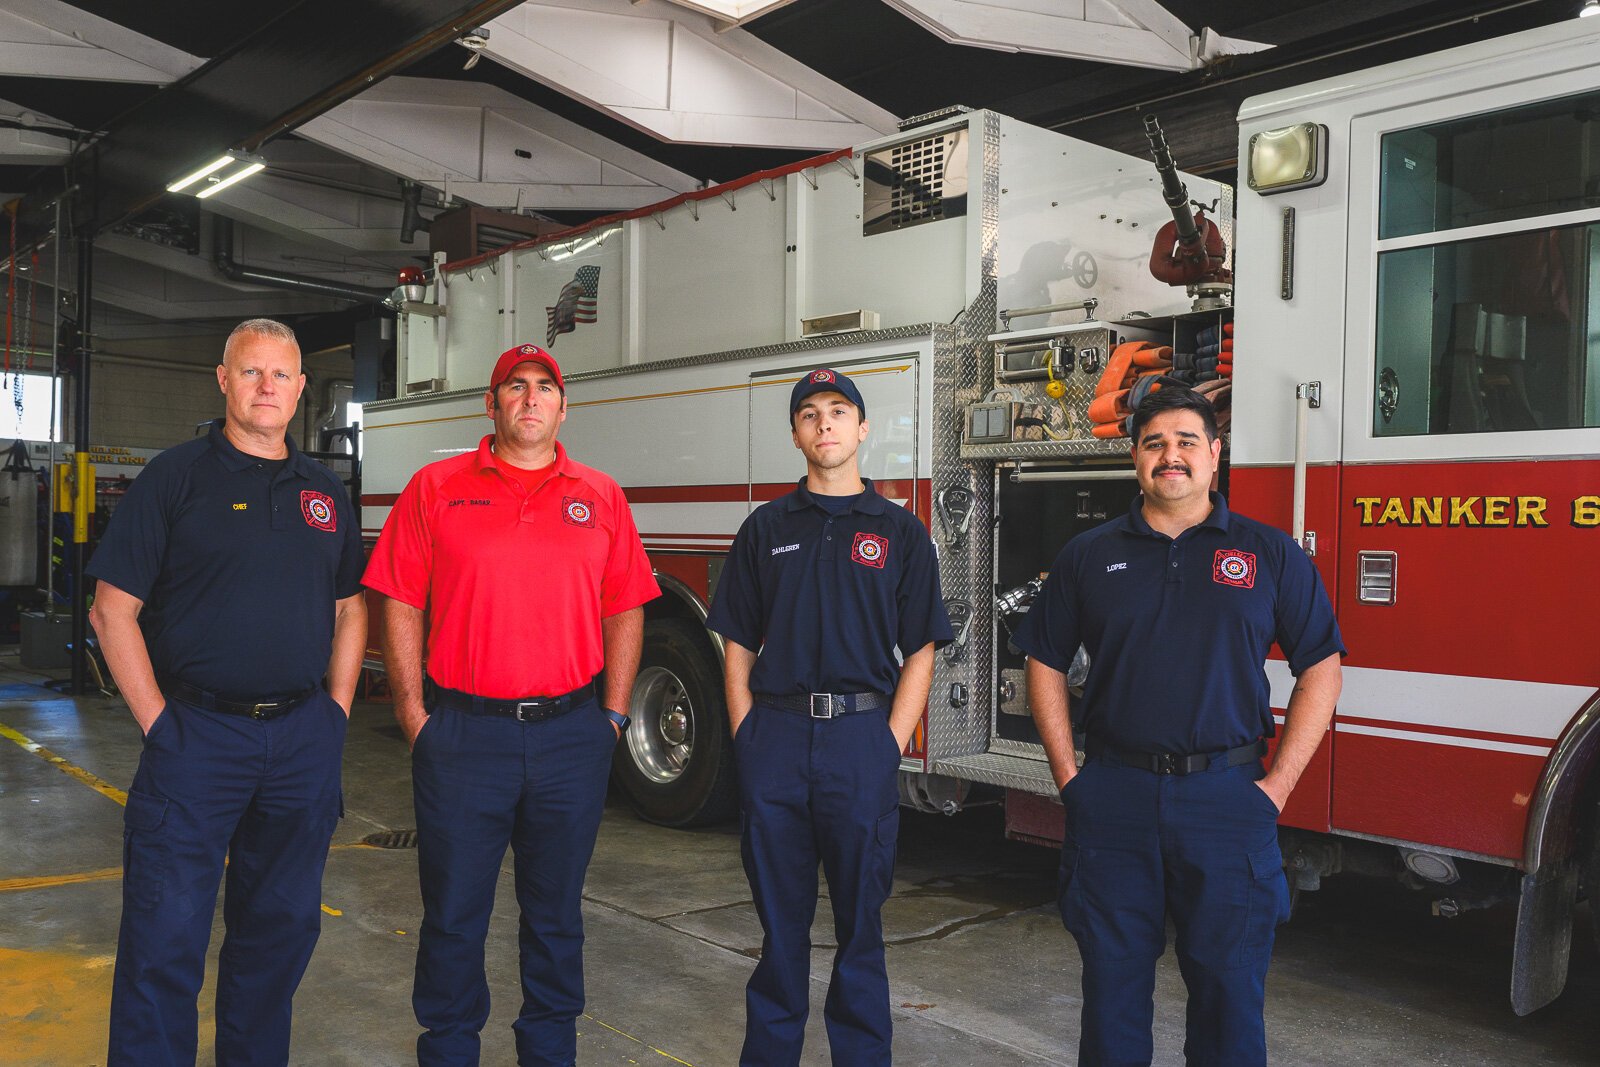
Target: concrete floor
x=982, y=974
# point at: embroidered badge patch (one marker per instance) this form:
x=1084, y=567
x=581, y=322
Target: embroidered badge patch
x=1234, y=567
x=318, y=510
x=822, y=376
x=870, y=549
x=575, y=512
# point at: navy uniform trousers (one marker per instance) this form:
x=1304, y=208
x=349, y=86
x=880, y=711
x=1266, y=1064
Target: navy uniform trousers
x=815, y=790
x=480, y=783
x=265, y=797
x=1201, y=848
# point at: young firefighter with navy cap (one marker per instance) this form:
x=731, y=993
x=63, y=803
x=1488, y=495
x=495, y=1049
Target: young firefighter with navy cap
x=821, y=588
x=1178, y=603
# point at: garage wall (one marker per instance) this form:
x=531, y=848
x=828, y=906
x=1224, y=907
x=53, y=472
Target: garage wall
x=149, y=407
x=142, y=406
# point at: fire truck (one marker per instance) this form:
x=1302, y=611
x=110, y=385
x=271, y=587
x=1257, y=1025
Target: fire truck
x=1414, y=306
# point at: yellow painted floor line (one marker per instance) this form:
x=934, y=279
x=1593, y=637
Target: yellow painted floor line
x=104, y=874
x=93, y=781
x=636, y=1041
x=104, y=788
x=111, y=874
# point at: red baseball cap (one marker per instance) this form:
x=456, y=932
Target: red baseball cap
x=525, y=354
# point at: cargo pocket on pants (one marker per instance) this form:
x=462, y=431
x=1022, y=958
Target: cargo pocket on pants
x=1069, y=894
x=886, y=840
x=1267, y=905
x=144, y=851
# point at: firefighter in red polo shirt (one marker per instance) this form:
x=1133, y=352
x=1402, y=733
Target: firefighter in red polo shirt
x=532, y=578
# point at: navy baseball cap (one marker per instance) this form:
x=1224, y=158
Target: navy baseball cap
x=824, y=380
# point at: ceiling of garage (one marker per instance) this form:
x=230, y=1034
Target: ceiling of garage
x=578, y=108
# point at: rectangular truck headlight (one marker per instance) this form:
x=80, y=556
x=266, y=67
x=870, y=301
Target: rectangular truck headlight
x=1294, y=157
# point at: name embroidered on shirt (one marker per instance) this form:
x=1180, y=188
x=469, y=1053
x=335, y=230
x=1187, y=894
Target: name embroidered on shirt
x=470, y=503
x=1116, y=567
x=241, y=507
x=784, y=548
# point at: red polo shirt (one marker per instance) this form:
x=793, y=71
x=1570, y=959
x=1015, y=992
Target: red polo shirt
x=516, y=569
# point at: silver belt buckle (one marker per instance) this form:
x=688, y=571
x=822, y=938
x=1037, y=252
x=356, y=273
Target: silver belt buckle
x=827, y=706
x=259, y=711
x=528, y=709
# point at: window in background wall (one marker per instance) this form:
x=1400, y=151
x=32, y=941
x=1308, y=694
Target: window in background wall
x=25, y=405
x=352, y=417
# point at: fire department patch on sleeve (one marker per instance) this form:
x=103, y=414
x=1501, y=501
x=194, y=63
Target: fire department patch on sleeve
x=319, y=511
x=1234, y=567
x=575, y=512
x=870, y=550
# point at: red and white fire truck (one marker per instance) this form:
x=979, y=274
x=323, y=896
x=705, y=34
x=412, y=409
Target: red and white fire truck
x=1417, y=327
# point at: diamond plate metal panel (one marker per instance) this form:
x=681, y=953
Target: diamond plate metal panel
x=1093, y=448
x=963, y=372
x=1012, y=772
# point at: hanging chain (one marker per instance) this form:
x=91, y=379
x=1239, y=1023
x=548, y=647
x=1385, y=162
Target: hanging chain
x=11, y=285
x=33, y=311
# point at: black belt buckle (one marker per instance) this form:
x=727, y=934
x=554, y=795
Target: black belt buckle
x=1166, y=763
x=827, y=711
x=534, y=710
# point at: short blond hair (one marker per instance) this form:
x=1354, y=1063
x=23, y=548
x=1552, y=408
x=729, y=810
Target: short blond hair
x=272, y=328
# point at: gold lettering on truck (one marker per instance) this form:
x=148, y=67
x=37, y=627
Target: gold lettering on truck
x=1477, y=511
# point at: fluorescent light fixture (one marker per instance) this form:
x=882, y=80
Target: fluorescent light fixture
x=217, y=175
x=210, y=168
x=1294, y=157
x=737, y=12
x=237, y=176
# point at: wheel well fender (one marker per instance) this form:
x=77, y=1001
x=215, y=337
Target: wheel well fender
x=1554, y=819
x=679, y=601
x=1556, y=828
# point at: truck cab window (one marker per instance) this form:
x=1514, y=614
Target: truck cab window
x=1497, y=331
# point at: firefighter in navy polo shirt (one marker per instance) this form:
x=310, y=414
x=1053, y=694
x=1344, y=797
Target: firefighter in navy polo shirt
x=533, y=578
x=1178, y=603
x=230, y=611
x=821, y=587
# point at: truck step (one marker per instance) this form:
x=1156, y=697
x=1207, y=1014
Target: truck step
x=997, y=768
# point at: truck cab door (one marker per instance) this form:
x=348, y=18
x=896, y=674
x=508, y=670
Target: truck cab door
x=1473, y=377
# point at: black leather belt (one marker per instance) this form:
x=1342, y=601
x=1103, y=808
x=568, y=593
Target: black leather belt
x=1176, y=763
x=826, y=705
x=254, y=709
x=528, y=709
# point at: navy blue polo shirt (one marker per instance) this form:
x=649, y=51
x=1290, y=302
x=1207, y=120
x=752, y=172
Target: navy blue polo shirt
x=238, y=567
x=1178, y=630
x=826, y=599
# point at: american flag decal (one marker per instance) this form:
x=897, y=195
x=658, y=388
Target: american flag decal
x=577, y=303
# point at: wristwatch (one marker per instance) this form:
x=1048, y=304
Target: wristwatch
x=619, y=720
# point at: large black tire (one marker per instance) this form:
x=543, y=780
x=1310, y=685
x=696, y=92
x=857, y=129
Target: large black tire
x=675, y=763
x=1589, y=874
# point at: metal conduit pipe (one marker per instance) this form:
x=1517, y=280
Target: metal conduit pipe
x=222, y=242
